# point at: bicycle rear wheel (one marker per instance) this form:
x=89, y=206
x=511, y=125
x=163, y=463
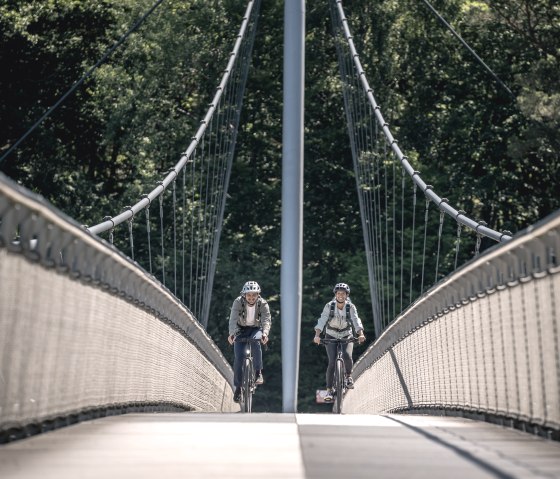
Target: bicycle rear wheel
x=339, y=386
x=247, y=385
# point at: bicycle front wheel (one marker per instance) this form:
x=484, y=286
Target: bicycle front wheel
x=339, y=386
x=247, y=385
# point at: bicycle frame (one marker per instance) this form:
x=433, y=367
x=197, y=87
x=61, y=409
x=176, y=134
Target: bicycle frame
x=339, y=384
x=248, y=377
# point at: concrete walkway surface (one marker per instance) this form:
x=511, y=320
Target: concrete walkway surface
x=201, y=445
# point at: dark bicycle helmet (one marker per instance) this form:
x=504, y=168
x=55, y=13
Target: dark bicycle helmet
x=343, y=286
x=251, y=287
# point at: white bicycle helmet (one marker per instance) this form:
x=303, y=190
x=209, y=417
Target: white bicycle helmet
x=343, y=286
x=251, y=287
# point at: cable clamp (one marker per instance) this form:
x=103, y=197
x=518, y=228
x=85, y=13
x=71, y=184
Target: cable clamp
x=109, y=218
x=480, y=223
x=129, y=208
x=145, y=196
x=460, y=213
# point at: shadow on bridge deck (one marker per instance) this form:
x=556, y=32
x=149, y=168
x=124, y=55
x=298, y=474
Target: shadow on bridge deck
x=280, y=445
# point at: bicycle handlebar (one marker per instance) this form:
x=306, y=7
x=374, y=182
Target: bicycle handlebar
x=353, y=339
x=246, y=340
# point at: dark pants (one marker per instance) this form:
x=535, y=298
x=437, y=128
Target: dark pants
x=346, y=354
x=239, y=350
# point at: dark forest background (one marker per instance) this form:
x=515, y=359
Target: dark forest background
x=493, y=154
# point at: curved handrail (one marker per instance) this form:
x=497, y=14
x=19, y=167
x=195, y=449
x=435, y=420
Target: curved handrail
x=478, y=226
x=147, y=199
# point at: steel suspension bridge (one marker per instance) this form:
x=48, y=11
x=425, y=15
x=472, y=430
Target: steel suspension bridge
x=456, y=335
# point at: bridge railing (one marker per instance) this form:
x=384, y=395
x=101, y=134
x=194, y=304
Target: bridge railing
x=485, y=340
x=84, y=331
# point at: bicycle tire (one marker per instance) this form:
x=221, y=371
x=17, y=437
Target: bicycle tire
x=248, y=385
x=339, y=386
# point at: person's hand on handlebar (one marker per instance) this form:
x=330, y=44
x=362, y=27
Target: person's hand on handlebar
x=317, y=338
x=361, y=337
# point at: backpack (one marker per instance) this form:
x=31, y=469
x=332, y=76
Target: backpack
x=257, y=313
x=331, y=316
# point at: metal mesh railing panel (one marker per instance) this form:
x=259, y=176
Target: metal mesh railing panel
x=68, y=347
x=83, y=328
x=486, y=340
x=550, y=363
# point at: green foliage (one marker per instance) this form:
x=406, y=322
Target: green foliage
x=129, y=122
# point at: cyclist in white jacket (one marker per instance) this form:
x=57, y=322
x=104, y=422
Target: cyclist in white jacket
x=339, y=320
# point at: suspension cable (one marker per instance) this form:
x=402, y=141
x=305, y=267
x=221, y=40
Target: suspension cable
x=440, y=231
x=81, y=80
x=465, y=44
x=403, y=184
x=175, y=237
x=105, y=226
x=162, y=238
x=424, y=248
x=414, y=201
x=430, y=193
x=457, y=244
x=148, y=232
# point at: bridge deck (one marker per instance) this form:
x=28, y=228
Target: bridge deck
x=280, y=446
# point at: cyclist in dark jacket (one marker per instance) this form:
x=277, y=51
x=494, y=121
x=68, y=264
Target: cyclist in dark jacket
x=339, y=320
x=249, y=318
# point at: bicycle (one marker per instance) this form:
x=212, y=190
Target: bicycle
x=339, y=384
x=248, y=384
